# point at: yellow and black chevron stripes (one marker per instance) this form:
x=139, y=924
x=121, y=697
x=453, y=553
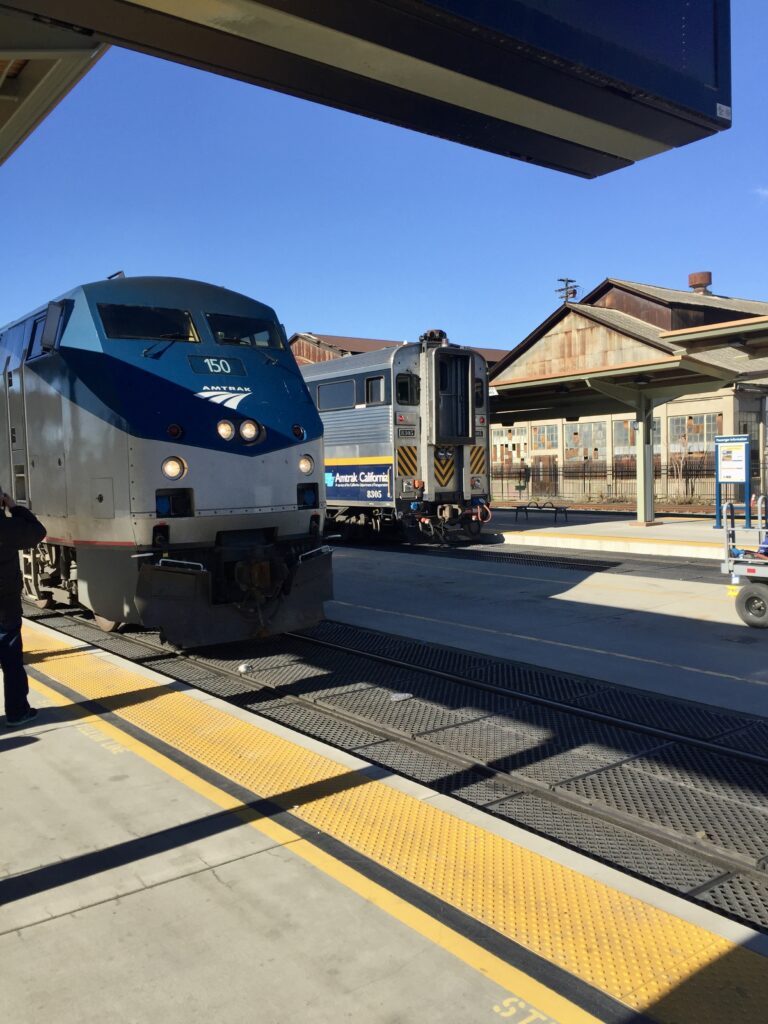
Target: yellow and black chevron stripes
x=444, y=469
x=407, y=463
x=477, y=460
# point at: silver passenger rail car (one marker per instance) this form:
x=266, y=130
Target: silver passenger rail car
x=406, y=439
x=162, y=431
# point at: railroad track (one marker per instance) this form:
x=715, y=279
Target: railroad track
x=543, y=749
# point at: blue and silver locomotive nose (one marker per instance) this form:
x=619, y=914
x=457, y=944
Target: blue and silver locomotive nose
x=187, y=444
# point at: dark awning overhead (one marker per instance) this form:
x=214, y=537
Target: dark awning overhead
x=39, y=64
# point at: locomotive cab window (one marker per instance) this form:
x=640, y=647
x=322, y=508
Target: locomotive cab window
x=479, y=393
x=248, y=331
x=147, y=323
x=407, y=389
x=337, y=394
x=374, y=390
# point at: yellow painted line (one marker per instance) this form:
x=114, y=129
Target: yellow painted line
x=361, y=460
x=636, y=953
x=563, y=537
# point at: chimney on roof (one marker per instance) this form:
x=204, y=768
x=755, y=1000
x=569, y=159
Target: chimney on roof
x=700, y=282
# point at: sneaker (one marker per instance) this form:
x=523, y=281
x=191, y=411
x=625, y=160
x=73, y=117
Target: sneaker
x=27, y=716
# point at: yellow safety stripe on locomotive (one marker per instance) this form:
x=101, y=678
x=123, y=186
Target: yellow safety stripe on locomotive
x=407, y=462
x=477, y=460
x=444, y=469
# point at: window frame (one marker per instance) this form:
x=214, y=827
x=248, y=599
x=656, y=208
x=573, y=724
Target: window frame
x=101, y=306
x=413, y=381
x=341, y=381
x=371, y=380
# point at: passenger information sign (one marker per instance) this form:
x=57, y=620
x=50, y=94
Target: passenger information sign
x=732, y=459
x=359, y=480
x=732, y=467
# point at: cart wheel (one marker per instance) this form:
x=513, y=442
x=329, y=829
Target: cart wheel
x=752, y=605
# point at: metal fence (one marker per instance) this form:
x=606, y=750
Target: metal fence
x=682, y=482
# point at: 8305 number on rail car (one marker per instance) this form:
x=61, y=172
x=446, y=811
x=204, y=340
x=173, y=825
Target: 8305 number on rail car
x=161, y=429
x=406, y=438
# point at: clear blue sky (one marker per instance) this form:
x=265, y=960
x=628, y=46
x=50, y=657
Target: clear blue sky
x=348, y=226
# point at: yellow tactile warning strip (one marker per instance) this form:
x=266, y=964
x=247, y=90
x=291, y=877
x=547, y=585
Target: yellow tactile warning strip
x=640, y=955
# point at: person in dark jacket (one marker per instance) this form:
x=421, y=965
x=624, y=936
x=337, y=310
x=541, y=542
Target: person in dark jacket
x=18, y=531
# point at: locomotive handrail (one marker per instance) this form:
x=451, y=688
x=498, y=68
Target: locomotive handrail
x=182, y=564
x=324, y=549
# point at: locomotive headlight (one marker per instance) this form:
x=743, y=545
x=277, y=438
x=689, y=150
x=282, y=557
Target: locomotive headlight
x=225, y=430
x=306, y=464
x=249, y=431
x=174, y=468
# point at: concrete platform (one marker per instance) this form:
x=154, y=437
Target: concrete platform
x=166, y=855
x=668, y=537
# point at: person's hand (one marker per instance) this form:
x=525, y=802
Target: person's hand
x=6, y=501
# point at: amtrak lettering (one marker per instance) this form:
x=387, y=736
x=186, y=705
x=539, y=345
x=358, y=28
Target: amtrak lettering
x=369, y=482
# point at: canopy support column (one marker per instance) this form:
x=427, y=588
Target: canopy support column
x=644, y=460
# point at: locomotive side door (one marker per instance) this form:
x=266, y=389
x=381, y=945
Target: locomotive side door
x=45, y=429
x=13, y=382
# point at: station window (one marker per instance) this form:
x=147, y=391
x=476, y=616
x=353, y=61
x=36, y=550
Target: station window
x=336, y=394
x=249, y=331
x=694, y=433
x=585, y=441
x=407, y=389
x=543, y=436
x=147, y=323
x=625, y=437
x=374, y=390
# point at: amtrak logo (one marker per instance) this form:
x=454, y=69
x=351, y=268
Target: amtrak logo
x=228, y=397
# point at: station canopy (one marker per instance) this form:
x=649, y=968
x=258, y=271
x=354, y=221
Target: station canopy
x=626, y=344
x=586, y=87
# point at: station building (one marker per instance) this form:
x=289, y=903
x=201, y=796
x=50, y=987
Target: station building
x=568, y=398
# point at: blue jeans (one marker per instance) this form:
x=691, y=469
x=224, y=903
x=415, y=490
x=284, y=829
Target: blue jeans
x=12, y=664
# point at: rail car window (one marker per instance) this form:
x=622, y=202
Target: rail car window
x=147, y=323
x=479, y=393
x=249, y=331
x=407, y=389
x=337, y=394
x=374, y=390
x=454, y=398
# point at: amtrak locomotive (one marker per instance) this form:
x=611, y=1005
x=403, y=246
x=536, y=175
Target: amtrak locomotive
x=162, y=431
x=406, y=438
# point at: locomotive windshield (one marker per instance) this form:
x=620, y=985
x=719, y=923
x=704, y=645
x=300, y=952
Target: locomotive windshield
x=147, y=323
x=250, y=331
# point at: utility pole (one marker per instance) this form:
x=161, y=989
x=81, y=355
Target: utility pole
x=568, y=288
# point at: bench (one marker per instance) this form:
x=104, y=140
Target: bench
x=534, y=506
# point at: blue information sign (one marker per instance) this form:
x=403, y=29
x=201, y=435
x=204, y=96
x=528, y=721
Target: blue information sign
x=732, y=467
x=364, y=481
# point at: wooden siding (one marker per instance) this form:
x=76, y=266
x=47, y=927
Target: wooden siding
x=649, y=310
x=577, y=345
x=306, y=351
